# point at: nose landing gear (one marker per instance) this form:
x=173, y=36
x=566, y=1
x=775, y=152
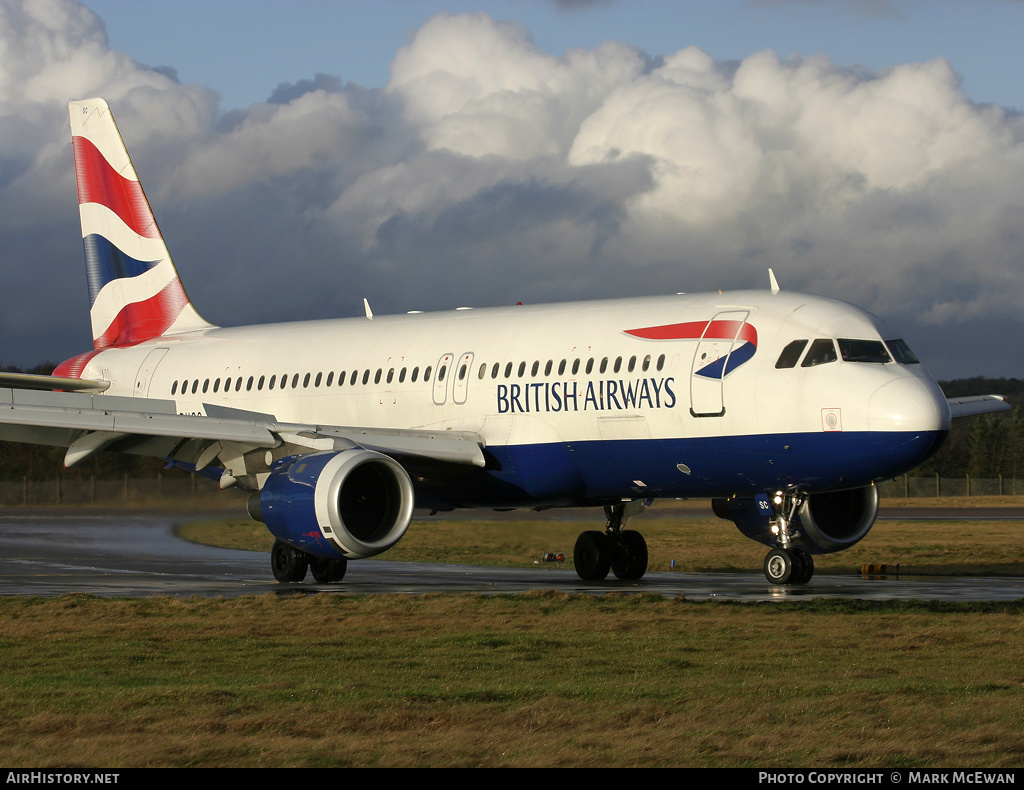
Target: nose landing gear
x=787, y=564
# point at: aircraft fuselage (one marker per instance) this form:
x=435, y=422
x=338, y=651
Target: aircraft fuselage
x=581, y=403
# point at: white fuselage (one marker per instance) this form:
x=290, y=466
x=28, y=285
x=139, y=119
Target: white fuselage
x=572, y=376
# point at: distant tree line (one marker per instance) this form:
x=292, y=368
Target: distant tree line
x=986, y=446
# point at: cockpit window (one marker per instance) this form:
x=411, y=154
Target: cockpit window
x=791, y=354
x=863, y=350
x=822, y=350
x=901, y=352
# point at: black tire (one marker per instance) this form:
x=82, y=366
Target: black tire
x=804, y=565
x=592, y=556
x=630, y=562
x=327, y=571
x=289, y=563
x=779, y=566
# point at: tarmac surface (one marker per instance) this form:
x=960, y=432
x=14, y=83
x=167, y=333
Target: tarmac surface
x=114, y=554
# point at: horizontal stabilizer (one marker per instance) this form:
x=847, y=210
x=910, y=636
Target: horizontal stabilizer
x=977, y=404
x=32, y=381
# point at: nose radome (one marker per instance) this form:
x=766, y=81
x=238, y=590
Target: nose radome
x=908, y=404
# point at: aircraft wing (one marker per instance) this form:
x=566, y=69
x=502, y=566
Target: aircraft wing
x=86, y=423
x=977, y=404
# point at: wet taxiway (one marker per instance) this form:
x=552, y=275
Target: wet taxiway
x=138, y=555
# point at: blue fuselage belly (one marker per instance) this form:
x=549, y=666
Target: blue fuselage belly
x=590, y=472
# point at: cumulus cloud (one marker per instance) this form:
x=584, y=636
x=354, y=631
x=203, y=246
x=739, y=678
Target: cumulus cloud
x=489, y=171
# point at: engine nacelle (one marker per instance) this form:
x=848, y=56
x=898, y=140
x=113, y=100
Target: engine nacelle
x=826, y=522
x=352, y=504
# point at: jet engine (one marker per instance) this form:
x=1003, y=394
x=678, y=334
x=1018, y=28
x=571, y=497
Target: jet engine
x=353, y=504
x=824, y=523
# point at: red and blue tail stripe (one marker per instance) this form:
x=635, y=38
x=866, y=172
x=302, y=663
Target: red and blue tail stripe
x=134, y=290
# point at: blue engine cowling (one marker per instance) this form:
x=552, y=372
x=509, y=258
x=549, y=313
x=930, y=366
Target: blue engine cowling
x=825, y=522
x=353, y=504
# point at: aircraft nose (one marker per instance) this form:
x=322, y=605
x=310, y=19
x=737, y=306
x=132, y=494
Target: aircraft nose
x=908, y=404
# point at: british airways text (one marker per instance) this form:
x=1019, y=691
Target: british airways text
x=604, y=395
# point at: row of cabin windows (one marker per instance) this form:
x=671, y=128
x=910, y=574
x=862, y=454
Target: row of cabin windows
x=229, y=383
x=549, y=366
x=281, y=383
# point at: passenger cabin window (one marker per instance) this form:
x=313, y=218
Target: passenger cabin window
x=822, y=350
x=791, y=354
x=863, y=351
x=901, y=352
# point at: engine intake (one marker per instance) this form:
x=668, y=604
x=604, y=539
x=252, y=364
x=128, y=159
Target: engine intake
x=353, y=504
x=825, y=522
x=836, y=520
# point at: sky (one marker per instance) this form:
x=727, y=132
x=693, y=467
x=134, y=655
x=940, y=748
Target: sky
x=426, y=155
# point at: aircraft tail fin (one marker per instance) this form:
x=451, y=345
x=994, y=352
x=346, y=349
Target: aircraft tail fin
x=135, y=293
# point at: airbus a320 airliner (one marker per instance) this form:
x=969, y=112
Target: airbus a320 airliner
x=783, y=408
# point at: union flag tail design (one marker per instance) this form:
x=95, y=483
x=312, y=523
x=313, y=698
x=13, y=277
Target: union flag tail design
x=134, y=290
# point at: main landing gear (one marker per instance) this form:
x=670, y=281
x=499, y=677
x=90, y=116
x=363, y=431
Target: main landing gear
x=787, y=564
x=621, y=551
x=290, y=565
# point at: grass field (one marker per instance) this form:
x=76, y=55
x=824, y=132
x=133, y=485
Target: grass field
x=540, y=679
x=533, y=680
x=691, y=537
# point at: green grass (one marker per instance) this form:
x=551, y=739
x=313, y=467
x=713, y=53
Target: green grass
x=694, y=541
x=541, y=679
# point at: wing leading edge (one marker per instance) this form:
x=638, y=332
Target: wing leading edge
x=977, y=404
x=243, y=441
